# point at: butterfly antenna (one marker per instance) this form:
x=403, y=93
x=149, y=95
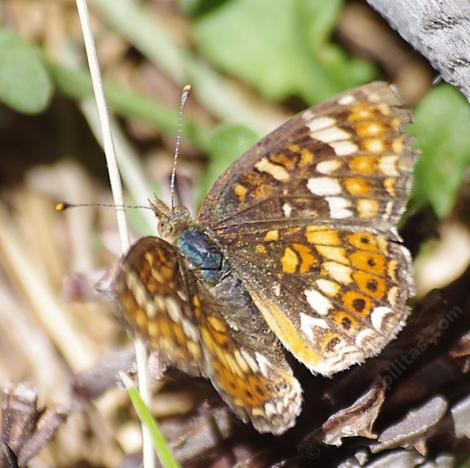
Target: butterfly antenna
x=62, y=206
x=184, y=98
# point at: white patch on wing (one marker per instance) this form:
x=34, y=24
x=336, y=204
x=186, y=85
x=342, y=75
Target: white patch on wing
x=263, y=363
x=388, y=165
x=346, y=100
x=269, y=409
x=318, y=302
x=250, y=361
x=308, y=323
x=151, y=309
x=327, y=167
x=320, y=123
x=189, y=330
x=274, y=170
x=330, y=288
x=323, y=186
x=287, y=209
x=392, y=295
x=364, y=336
x=182, y=295
x=308, y=115
x=173, y=309
x=344, y=148
x=131, y=280
x=367, y=207
x=341, y=358
x=378, y=315
x=339, y=207
x=242, y=364
x=138, y=289
x=338, y=272
x=331, y=134
x=389, y=208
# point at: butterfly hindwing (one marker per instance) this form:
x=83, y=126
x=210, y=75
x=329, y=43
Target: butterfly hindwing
x=333, y=295
x=161, y=300
x=153, y=301
x=254, y=379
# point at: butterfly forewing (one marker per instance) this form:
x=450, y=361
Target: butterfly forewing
x=344, y=160
x=308, y=223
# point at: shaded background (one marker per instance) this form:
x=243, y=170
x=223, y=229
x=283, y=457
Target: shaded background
x=252, y=64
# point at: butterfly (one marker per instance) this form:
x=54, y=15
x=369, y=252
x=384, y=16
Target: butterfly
x=294, y=249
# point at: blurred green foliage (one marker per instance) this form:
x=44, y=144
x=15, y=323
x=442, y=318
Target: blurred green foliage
x=443, y=137
x=282, y=48
x=24, y=82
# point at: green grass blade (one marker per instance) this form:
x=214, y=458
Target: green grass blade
x=159, y=443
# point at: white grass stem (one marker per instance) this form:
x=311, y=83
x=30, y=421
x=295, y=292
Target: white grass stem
x=116, y=188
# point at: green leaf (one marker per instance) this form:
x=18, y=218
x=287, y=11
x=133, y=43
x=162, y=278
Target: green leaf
x=24, y=83
x=280, y=47
x=319, y=22
x=441, y=129
x=228, y=142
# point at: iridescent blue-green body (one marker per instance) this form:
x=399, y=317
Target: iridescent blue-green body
x=202, y=253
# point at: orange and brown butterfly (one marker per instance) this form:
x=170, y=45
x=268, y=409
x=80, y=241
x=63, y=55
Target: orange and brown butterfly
x=295, y=248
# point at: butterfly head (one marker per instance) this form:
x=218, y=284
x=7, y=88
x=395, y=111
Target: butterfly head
x=171, y=222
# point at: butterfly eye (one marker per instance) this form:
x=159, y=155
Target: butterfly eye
x=165, y=229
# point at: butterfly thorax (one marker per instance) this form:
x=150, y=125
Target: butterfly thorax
x=204, y=256
x=202, y=253
x=197, y=244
